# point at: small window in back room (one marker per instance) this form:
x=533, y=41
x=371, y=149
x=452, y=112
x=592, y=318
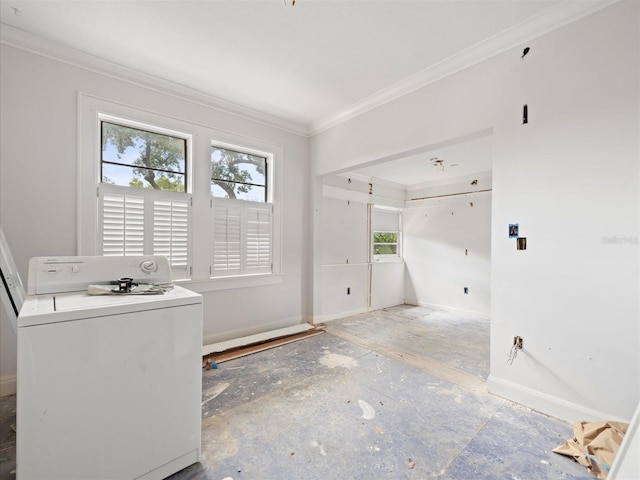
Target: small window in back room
x=385, y=243
x=385, y=233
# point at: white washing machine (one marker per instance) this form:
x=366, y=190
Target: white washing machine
x=108, y=387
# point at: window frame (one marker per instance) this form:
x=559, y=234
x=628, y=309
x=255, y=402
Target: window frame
x=150, y=197
x=396, y=243
x=244, y=205
x=386, y=257
x=90, y=107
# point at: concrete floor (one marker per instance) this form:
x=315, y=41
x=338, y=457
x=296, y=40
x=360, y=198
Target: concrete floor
x=392, y=394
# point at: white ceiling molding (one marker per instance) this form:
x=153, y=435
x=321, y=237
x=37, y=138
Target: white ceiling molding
x=20, y=39
x=536, y=26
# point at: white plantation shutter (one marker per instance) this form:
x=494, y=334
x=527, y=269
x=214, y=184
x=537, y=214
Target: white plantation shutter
x=241, y=238
x=122, y=224
x=145, y=222
x=227, y=240
x=258, y=239
x=171, y=232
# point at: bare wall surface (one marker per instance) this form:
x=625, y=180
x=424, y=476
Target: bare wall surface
x=39, y=184
x=344, y=257
x=447, y=248
x=570, y=179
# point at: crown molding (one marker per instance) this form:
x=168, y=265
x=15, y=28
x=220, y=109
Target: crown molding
x=29, y=42
x=536, y=26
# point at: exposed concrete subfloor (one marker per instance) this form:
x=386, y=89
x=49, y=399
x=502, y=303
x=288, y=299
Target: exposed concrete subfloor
x=399, y=393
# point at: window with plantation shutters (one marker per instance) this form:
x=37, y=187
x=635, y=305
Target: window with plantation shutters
x=145, y=222
x=241, y=238
x=242, y=212
x=154, y=197
x=144, y=207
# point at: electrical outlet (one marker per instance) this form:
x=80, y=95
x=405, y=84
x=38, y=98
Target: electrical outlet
x=518, y=342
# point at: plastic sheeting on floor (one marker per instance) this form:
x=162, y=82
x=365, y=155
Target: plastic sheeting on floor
x=594, y=445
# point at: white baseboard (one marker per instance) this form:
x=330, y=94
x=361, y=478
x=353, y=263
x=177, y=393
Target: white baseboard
x=447, y=308
x=336, y=316
x=8, y=385
x=239, y=333
x=547, y=404
x=255, y=338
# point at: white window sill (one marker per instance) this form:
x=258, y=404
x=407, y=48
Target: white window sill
x=388, y=259
x=229, y=283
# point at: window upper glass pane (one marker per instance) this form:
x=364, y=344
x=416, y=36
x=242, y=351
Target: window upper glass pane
x=385, y=237
x=142, y=159
x=238, y=175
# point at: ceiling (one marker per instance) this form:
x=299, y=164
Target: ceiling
x=311, y=63
x=460, y=158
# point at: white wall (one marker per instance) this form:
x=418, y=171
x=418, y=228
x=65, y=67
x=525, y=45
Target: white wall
x=344, y=267
x=387, y=284
x=570, y=179
x=345, y=280
x=39, y=185
x=447, y=247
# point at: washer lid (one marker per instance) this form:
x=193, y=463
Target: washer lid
x=43, y=309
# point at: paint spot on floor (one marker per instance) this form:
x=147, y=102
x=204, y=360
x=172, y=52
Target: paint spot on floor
x=333, y=360
x=458, y=400
x=218, y=443
x=317, y=445
x=213, y=392
x=368, y=413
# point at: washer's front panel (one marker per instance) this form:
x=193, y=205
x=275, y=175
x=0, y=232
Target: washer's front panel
x=112, y=397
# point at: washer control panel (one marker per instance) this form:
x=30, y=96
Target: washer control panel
x=75, y=274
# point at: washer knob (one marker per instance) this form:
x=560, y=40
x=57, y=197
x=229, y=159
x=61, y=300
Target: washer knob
x=149, y=266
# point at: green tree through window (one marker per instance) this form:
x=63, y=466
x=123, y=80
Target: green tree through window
x=143, y=159
x=385, y=243
x=238, y=175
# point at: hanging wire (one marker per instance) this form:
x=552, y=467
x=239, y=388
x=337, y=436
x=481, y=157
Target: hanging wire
x=513, y=353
